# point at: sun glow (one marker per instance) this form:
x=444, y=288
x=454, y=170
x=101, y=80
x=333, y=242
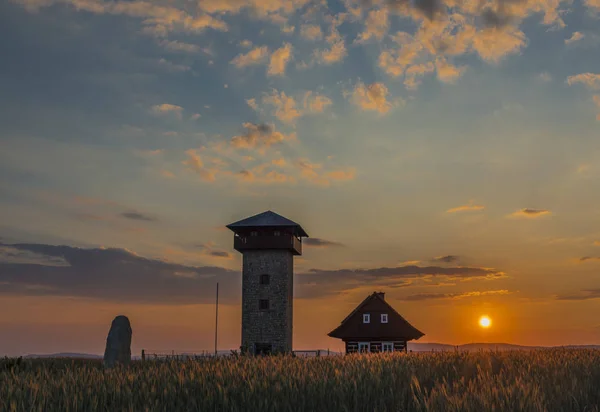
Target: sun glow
x=485, y=322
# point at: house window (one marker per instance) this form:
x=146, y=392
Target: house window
x=366, y=318
x=263, y=304
x=364, y=347
x=276, y=233
x=387, y=346
x=384, y=318
x=264, y=279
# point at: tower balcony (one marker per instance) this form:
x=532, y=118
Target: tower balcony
x=262, y=241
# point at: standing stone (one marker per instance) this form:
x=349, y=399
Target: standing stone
x=118, y=342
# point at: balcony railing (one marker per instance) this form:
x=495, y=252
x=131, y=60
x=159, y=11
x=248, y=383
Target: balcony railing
x=284, y=241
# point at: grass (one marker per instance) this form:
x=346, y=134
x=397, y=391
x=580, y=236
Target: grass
x=544, y=380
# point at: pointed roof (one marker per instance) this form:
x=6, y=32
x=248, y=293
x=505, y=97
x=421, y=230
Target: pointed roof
x=267, y=219
x=352, y=327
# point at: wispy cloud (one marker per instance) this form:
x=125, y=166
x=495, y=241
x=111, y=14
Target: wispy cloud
x=590, y=259
x=279, y=60
x=138, y=216
x=167, y=108
x=371, y=97
x=446, y=259
x=586, y=294
x=255, y=56
x=110, y=274
x=576, y=36
x=463, y=295
x=320, y=243
x=530, y=213
x=260, y=135
x=466, y=208
x=589, y=80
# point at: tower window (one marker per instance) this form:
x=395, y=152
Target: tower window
x=276, y=233
x=265, y=279
x=384, y=318
x=253, y=233
x=263, y=304
x=366, y=318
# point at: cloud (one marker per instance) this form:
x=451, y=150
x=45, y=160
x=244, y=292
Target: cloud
x=255, y=56
x=336, y=52
x=311, y=32
x=166, y=108
x=348, y=174
x=157, y=19
x=181, y=47
x=194, y=162
x=372, y=97
x=284, y=107
x=376, y=26
x=430, y=296
x=446, y=259
x=593, y=5
x=544, y=77
x=111, y=274
x=585, y=294
x=316, y=103
x=589, y=80
x=138, y=216
x=466, y=208
x=259, y=135
x=575, y=37
x=589, y=258
x=596, y=99
x=530, y=213
x=279, y=60
x=320, y=243
x=320, y=282
x=447, y=72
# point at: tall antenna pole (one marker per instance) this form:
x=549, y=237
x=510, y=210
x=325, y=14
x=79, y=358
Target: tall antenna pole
x=216, y=318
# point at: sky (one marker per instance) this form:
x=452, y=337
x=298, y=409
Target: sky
x=444, y=152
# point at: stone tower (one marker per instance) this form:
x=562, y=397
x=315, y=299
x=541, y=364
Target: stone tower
x=268, y=243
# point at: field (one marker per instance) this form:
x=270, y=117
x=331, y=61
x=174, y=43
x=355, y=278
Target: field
x=543, y=380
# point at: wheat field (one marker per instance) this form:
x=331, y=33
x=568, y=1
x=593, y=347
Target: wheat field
x=543, y=380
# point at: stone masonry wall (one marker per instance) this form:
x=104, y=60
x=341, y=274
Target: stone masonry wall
x=274, y=325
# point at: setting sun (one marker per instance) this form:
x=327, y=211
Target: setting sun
x=485, y=322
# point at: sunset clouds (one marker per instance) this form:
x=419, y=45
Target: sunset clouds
x=444, y=152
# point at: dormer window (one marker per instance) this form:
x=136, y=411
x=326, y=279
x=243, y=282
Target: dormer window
x=366, y=318
x=384, y=318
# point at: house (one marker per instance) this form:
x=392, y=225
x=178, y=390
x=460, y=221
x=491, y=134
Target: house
x=374, y=326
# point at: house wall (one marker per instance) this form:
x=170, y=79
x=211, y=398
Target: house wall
x=272, y=326
x=375, y=345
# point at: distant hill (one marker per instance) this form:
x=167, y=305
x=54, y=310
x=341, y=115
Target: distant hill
x=64, y=355
x=412, y=346
x=472, y=347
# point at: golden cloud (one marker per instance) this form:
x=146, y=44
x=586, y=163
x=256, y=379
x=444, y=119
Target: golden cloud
x=372, y=97
x=466, y=208
x=279, y=60
x=530, y=213
x=255, y=56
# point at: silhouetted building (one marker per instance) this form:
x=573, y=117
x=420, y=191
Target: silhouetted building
x=374, y=326
x=268, y=243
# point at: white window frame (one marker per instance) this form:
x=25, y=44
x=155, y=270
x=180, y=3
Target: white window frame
x=366, y=318
x=364, y=345
x=384, y=318
x=390, y=346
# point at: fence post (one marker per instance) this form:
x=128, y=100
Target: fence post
x=143, y=355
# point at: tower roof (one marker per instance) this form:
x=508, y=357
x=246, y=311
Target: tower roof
x=267, y=219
